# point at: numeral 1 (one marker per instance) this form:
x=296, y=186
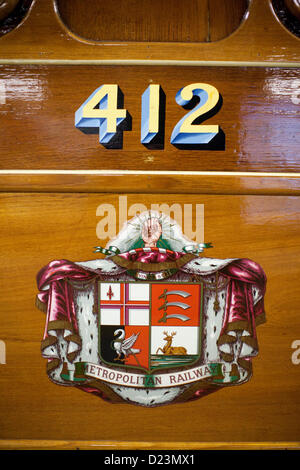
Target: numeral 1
x=186, y=132
x=150, y=114
x=2, y=353
x=100, y=113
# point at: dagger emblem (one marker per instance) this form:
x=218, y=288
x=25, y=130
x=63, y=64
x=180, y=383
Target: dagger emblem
x=176, y=304
x=182, y=293
x=167, y=304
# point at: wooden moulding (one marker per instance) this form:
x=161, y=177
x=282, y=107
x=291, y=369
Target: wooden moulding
x=152, y=20
x=42, y=36
x=122, y=182
x=27, y=444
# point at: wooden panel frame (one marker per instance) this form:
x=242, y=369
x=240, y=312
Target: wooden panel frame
x=266, y=224
x=42, y=37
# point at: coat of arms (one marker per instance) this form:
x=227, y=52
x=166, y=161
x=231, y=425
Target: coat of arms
x=153, y=322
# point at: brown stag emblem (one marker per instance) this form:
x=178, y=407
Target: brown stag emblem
x=170, y=350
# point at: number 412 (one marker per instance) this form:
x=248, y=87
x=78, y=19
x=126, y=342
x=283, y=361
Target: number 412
x=103, y=113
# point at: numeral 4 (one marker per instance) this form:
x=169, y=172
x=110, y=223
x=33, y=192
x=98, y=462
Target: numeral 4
x=100, y=113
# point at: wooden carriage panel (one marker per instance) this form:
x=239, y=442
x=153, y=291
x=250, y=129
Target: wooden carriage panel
x=258, y=119
x=38, y=228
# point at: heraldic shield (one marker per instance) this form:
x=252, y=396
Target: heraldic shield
x=152, y=322
x=150, y=326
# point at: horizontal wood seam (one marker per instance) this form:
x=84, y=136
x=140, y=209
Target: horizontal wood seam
x=164, y=63
x=143, y=182
x=110, y=445
x=149, y=173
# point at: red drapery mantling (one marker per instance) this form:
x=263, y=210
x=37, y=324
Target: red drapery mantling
x=56, y=299
x=241, y=315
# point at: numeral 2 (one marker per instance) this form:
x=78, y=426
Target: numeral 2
x=186, y=132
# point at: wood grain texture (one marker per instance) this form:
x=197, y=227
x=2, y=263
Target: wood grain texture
x=122, y=182
x=38, y=444
x=152, y=21
x=37, y=228
x=42, y=36
x=225, y=17
x=259, y=117
x=136, y=20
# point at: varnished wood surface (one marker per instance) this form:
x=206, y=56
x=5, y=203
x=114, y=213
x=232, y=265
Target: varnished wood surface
x=152, y=20
x=27, y=444
x=142, y=20
x=52, y=216
x=42, y=36
x=225, y=17
x=122, y=182
x=259, y=117
x=37, y=228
